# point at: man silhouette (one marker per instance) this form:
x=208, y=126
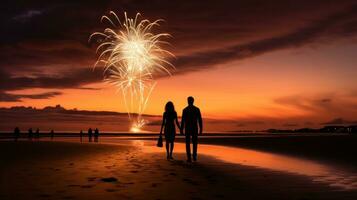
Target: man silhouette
x=191, y=118
x=96, y=135
x=90, y=132
x=16, y=133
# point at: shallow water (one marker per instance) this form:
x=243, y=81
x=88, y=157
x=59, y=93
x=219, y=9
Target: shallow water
x=319, y=172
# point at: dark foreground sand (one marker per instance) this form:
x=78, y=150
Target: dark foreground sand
x=65, y=170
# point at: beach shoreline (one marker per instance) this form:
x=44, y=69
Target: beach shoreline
x=74, y=170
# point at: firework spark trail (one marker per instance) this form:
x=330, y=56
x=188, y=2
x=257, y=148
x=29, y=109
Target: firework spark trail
x=132, y=54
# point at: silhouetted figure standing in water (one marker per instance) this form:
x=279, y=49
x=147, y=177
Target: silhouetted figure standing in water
x=168, y=121
x=90, y=132
x=30, y=133
x=81, y=135
x=37, y=134
x=16, y=133
x=96, y=135
x=52, y=134
x=191, y=119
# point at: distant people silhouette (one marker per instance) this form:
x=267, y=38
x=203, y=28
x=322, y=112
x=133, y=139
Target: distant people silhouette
x=168, y=123
x=52, y=134
x=96, y=135
x=81, y=135
x=30, y=133
x=191, y=119
x=16, y=133
x=37, y=134
x=90, y=132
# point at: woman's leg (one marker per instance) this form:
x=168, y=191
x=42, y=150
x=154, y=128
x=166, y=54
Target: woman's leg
x=171, y=149
x=167, y=149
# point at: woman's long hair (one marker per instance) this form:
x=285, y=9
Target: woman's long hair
x=169, y=107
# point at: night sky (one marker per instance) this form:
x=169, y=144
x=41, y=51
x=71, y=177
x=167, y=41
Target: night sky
x=255, y=64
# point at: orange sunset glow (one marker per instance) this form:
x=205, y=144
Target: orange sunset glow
x=173, y=100
x=303, y=81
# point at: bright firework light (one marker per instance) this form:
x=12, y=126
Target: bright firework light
x=132, y=54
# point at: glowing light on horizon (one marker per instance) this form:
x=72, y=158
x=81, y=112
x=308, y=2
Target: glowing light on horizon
x=132, y=54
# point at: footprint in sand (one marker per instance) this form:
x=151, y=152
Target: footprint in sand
x=154, y=185
x=111, y=190
x=173, y=174
x=190, y=181
x=109, y=179
x=136, y=165
x=68, y=197
x=211, y=179
x=44, y=195
x=87, y=186
x=73, y=185
x=90, y=179
x=220, y=196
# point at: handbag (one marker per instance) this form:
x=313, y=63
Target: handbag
x=159, y=142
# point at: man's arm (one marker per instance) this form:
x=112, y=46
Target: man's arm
x=177, y=123
x=182, y=121
x=200, y=121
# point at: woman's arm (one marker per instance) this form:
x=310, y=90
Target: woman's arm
x=163, y=123
x=178, y=124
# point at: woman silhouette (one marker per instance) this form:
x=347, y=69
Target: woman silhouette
x=168, y=120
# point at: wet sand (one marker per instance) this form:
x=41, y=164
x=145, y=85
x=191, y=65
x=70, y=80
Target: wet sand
x=135, y=169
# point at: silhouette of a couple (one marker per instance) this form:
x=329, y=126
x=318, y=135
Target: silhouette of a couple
x=191, y=126
x=90, y=134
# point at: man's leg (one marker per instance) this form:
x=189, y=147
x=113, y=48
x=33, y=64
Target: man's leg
x=188, y=147
x=194, y=144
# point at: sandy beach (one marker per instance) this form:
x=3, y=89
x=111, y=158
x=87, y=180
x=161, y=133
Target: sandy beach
x=135, y=169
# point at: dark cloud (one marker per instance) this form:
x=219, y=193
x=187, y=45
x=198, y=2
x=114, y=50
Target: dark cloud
x=339, y=121
x=309, y=123
x=337, y=104
x=154, y=123
x=59, y=118
x=7, y=97
x=331, y=26
x=76, y=79
x=296, y=101
x=23, y=17
x=69, y=79
x=290, y=125
x=43, y=39
x=247, y=123
x=326, y=100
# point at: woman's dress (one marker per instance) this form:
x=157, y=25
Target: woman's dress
x=170, y=129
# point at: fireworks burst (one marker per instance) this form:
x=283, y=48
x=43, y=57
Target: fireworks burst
x=132, y=54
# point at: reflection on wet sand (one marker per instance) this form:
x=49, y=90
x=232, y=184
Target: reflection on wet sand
x=318, y=171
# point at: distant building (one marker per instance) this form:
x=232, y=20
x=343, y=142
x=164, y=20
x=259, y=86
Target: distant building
x=335, y=129
x=352, y=129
